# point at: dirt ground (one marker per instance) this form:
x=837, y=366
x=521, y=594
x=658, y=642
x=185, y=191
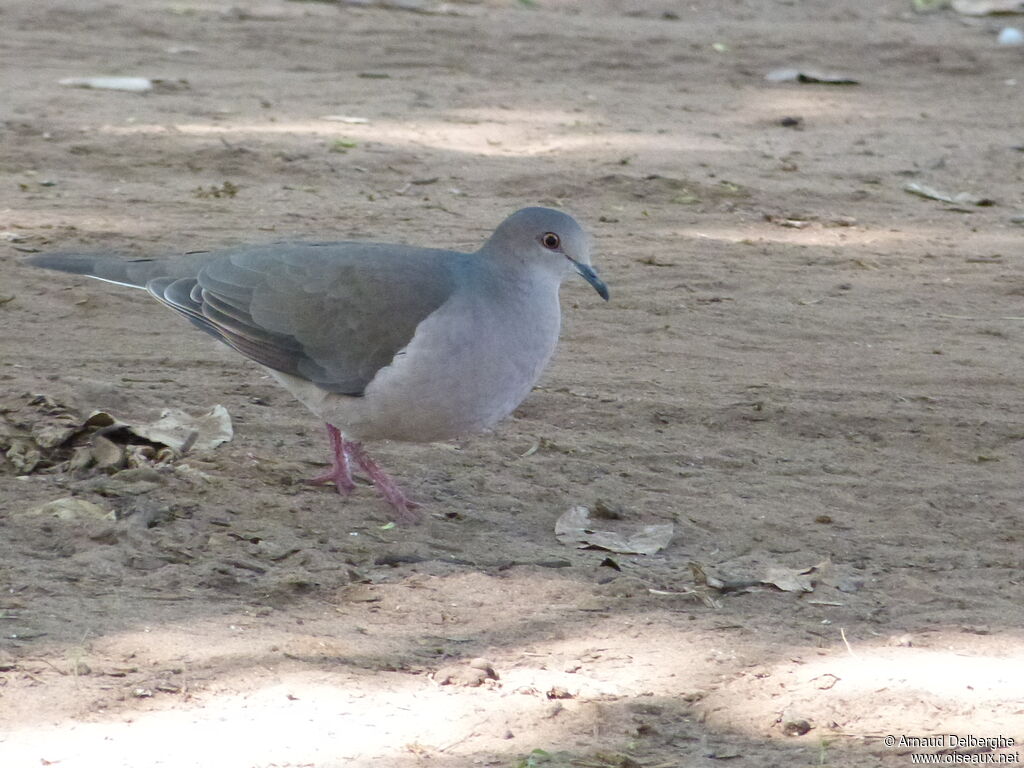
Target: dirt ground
x=815, y=375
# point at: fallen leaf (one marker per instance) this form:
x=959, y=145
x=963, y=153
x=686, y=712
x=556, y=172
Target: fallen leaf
x=808, y=76
x=788, y=580
x=928, y=6
x=23, y=454
x=38, y=432
x=183, y=432
x=106, y=453
x=134, y=84
x=70, y=509
x=987, y=7
x=841, y=577
x=575, y=528
x=757, y=569
x=962, y=198
x=347, y=119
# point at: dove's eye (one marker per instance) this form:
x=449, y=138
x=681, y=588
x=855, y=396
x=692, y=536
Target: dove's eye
x=550, y=241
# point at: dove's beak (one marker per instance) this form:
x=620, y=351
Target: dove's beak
x=591, y=277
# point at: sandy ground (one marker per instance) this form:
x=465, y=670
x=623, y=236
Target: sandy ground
x=803, y=366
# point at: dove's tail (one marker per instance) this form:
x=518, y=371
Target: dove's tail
x=133, y=273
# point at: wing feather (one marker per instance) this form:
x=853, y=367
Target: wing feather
x=334, y=314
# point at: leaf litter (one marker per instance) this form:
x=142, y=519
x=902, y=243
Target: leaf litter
x=575, y=528
x=756, y=570
x=960, y=198
x=38, y=432
x=791, y=75
x=987, y=7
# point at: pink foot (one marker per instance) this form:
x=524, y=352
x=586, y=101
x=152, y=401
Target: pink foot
x=405, y=508
x=340, y=472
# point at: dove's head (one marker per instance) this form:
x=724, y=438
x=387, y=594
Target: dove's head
x=546, y=239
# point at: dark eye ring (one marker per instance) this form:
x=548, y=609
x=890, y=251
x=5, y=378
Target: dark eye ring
x=551, y=241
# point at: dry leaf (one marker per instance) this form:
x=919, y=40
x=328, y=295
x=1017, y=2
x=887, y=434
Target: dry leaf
x=808, y=76
x=37, y=432
x=961, y=198
x=575, y=529
x=183, y=432
x=106, y=453
x=71, y=509
x=134, y=84
x=789, y=580
x=987, y=7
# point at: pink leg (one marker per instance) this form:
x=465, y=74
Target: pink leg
x=340, y=472
x=403, y=506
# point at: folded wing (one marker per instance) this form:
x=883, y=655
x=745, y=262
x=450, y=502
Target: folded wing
x=333, y=314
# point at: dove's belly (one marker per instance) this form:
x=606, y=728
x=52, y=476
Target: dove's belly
x=453, y=379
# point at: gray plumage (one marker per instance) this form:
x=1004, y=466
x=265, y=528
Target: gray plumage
x=385, y=341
